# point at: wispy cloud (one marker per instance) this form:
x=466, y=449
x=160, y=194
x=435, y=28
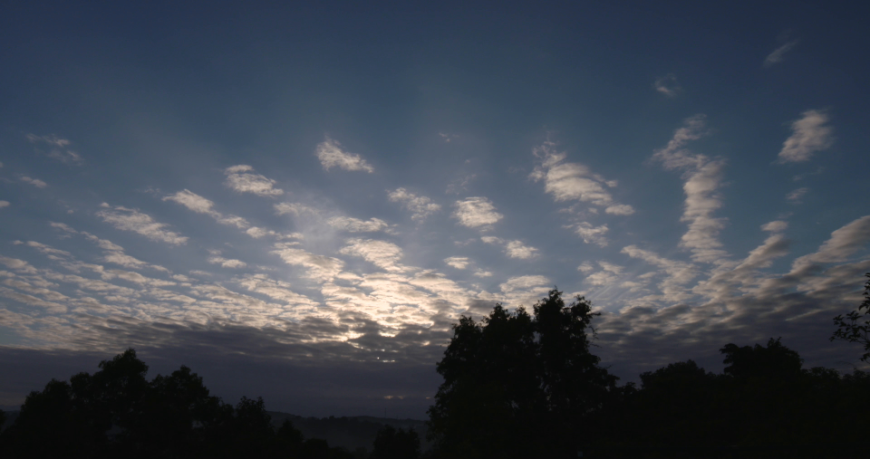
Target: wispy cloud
x=810, y=134
x=132, y=220
x=355, y=225
x=513, y=249
x=703, y=177
x=4, y=204
x=320, y=267
x=227, y=262
x=294, y=208
x=202, y=205
x=795, y=196
x=35, y=182
x=420, y=206
x=331, y=155
x=59, y=148
x=242, y=179
x=574, y=181
x=457, y=262
x=382, y=254
x=667, y=85
x=590, y=233
x=777, y=55
x=476, y=212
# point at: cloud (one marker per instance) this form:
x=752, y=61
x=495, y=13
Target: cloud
x=320, y=267
x=810, y=134
x=843, y=243
x=482, y=273
x=192, y=201
x=113, y=253
x=4, y=204
x=591, y=234
x=516, y=249
x=795, y=196
x=420, y=206
x=574, y=181
x=678, y=273
x=777, y=55
x=330, y=154
x=476, y=212
x=703, y=178
x=35, y=182
x=382, y=254
x=133, y=220
x=513, y=249
x=355, y=225
x=776, y=226
x=667, y=85
x=524, y=290
x=457, y=262
x=227, y=263
x=240, y=178
x=585, y=267
x=59, y=150
x=294, y=208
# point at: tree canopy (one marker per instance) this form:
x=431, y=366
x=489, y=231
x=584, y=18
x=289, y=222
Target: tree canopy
x=855, y=326
x=520, y=385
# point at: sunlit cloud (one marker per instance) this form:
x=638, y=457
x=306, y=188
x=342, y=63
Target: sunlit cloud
x=457, y=262
x=331, y=155
x=126, y=219
x=242, y=179
x=476, y=212
x=574, y=181
x=513, y=249
x=703, y=177
x=355, y=225
x=590, y=233
x=420, y=206
x=810, y=134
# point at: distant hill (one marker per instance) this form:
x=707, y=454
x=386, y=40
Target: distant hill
x=348, y=432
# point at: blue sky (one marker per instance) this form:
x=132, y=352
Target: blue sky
x=320, y=190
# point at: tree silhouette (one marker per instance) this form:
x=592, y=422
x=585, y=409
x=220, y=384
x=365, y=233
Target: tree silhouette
x=396, y=444
x=520, y=386
x=117, y=412
x=851, y=328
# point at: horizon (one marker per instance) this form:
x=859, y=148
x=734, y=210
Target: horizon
x=298, y=201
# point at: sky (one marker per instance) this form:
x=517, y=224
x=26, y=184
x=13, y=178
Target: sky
x=298, y=199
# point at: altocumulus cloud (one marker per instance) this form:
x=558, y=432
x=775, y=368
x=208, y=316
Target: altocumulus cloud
x=420, y=206
x=810, y=134
x=138, y=222
x=242, y=179
x=476, y=212
x=331, y=155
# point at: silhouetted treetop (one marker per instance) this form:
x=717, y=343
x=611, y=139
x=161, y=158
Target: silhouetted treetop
x=855, y=326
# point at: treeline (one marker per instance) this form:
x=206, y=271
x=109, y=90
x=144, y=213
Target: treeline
x=517, y=385
x=526, y=385
x=116, y=412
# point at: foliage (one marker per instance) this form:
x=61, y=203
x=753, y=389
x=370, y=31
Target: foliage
x=117, y=412
x=396, y=444
x=852, y=329
x=518, y=385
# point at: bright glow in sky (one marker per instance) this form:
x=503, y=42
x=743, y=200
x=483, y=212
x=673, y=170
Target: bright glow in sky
x=322, y=190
